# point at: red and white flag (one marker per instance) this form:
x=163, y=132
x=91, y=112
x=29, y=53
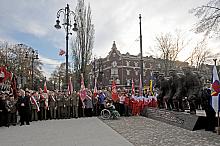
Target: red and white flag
x=140, y=87
x=114, y=91
x=83, y=89
x=132, y=88
x=70, y=86
x=95, y=92
x=45, y=86
x=62, y=52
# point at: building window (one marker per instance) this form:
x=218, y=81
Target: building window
x=114, y=63
x=136, y=73
x=136, y=64
x=128, y=72
x=114, y=54
x=127, y=63
x=114, y=71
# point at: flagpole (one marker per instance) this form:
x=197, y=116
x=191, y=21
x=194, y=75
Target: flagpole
x=218, y=131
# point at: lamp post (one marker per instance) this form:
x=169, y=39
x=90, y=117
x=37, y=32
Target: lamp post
x=94, y=74
x=33, y=56
x=141, y=53
x=67, y=26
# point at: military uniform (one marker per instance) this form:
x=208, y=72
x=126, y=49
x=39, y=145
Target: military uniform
x=42, y=108
x=52, y=106
x=75, y=103
x=34, y=108
x=67, y=106
x=60, y=106
x=12, y=118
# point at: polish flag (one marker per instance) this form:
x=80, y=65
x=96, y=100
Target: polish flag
x=70, y=86
x=62, y=52
x=45, y=86
x=140, y=87
x=95, y=92
x=132, y=89
x=114, y=91
x=83, y=89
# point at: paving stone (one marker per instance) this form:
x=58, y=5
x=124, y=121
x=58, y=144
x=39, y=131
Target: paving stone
x=142, y=131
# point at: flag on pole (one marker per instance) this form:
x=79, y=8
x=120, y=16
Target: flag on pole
x=114, y=91
x=215, y=90
x=151, y=83
x=83, y=89
x=140, y=87
x=70, y=86
x=95, y=92
x=45, y=86
x=132, y=88
x=62, y=52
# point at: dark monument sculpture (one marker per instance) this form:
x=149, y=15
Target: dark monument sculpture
x=178, y=91
x=172, y=90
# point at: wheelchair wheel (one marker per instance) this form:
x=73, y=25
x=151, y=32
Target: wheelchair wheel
x=105, y=114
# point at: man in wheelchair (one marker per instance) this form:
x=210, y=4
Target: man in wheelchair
x=109, y=110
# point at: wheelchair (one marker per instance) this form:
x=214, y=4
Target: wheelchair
x=109, y=113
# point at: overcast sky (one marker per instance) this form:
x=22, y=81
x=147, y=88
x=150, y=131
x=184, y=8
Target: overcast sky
x=32, y=22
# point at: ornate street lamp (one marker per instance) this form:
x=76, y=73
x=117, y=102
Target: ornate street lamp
x=67, y=13
x=33, y=56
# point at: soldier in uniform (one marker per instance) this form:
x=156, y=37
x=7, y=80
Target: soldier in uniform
x=67, y=103
x=42, y=107
x=75, y=103
x=59, y=105
x=12, y=110
x=52, y=105
x=35, y=106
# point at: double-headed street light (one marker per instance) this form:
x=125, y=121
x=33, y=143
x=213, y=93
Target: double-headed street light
x=33, y=56
x=67, y=13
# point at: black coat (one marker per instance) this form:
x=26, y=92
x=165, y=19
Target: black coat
x=23, y=103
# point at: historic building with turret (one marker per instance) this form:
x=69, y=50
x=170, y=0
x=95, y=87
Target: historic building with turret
x=124, y=67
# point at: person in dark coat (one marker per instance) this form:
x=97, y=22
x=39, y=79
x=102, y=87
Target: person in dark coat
x=3, y=111
x=24, y=107
x=210, y=112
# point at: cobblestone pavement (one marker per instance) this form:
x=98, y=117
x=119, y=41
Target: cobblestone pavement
x=142, y=131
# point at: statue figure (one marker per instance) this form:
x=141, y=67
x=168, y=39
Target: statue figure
x=193, y=87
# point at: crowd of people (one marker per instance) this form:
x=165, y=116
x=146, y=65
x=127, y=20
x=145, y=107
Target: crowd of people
x=30, y=105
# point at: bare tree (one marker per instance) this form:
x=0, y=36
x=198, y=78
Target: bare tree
x=209, y=18
x=83, y=44
x=170, y=46
x=201, y=55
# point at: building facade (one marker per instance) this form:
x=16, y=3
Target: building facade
x=124, y=67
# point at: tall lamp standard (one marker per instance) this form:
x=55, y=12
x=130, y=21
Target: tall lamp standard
x=33, y=56
x=141, y=59
x=67, y=26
